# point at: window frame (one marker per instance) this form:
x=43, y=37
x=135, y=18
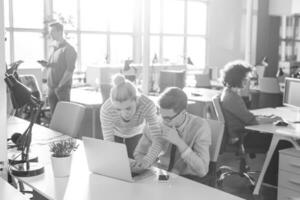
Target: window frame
x=136, y=33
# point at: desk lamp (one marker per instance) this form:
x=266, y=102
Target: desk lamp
x=20, y=96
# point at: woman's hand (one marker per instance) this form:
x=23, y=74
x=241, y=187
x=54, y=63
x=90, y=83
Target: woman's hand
x=267, y=119
x=138, y=166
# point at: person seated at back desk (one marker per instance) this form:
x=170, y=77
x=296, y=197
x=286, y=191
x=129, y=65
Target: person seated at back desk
x=126, y=115
x=237, y=116
x=187, y=138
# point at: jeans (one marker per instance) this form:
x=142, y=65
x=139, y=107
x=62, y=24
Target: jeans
x=129, y=142
x=54, y=96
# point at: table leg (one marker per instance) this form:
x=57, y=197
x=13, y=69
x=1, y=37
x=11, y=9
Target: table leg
x=271, y=150
x=94, y=122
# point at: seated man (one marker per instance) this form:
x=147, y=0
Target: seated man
x=187, y=138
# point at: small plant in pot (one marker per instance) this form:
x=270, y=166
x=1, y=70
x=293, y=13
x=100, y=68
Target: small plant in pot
x=62, y=156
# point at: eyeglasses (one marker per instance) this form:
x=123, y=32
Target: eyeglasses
x=168, y=118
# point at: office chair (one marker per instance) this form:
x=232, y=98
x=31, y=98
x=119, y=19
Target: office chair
x=269, y=92
x=67, y=118
x=217, y=130
x=238, y=149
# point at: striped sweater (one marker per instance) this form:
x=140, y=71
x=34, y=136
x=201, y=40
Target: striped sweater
x=146, y=114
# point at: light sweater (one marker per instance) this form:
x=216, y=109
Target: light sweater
x=196, y=133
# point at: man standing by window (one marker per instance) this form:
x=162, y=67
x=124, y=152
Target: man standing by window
x=61, y=65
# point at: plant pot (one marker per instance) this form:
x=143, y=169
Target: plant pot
x=61, y=166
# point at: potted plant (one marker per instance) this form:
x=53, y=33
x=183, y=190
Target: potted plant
x=61, y=157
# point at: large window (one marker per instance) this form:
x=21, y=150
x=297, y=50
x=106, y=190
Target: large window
x=181, y=28
x=108, y=31
x=28, y=46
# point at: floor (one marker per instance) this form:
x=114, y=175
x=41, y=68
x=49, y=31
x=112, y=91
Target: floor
x=239, y=186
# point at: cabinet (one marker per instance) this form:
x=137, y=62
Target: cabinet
x=289, y=49
x=289, y=174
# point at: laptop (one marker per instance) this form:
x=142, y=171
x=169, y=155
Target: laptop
x=108, y=159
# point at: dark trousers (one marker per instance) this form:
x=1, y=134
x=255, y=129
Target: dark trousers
x=129, y=142
x=62, y=94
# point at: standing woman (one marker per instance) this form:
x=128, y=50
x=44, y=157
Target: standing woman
x=126, y=115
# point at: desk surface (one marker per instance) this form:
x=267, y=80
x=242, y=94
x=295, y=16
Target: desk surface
x=7, y=192
x=290, y=115
x=201, y=94
x=92, y=186
x=83, y=185
x=40, y=134
x=85, y=97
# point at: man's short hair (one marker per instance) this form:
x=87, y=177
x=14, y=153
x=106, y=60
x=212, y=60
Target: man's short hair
x=173, y=98
x=58, y=26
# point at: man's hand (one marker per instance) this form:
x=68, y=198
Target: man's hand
x=170, y=134
x=43, y=63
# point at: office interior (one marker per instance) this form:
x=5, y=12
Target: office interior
x=157, y=44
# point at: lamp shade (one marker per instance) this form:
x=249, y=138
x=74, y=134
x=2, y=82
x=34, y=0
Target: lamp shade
x=284, y=7
x=20, y=94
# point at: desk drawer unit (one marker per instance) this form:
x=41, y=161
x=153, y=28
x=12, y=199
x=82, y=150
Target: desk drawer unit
x=289, y=174
x=289, y=180
x=290, y=161
x=286, y=194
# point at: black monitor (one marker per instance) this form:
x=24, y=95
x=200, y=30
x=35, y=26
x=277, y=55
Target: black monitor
x=291, y=95
x=171, y=78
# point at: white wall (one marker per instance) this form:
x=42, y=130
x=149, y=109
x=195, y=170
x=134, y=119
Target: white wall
x=3, y=132
x=226, y=31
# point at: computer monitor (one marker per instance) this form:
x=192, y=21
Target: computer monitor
x=171, y=78
x=291, y=95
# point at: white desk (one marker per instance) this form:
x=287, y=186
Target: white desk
x=289, y=133
x=83, y=185
x=7, y=192
x=203, y=100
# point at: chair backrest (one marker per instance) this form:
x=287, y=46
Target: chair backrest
x=67, y=118
x=269, y=85
x=220, y=117
x=218, y=109
x=31, y=82
x=202, y=80
x=217, y=131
